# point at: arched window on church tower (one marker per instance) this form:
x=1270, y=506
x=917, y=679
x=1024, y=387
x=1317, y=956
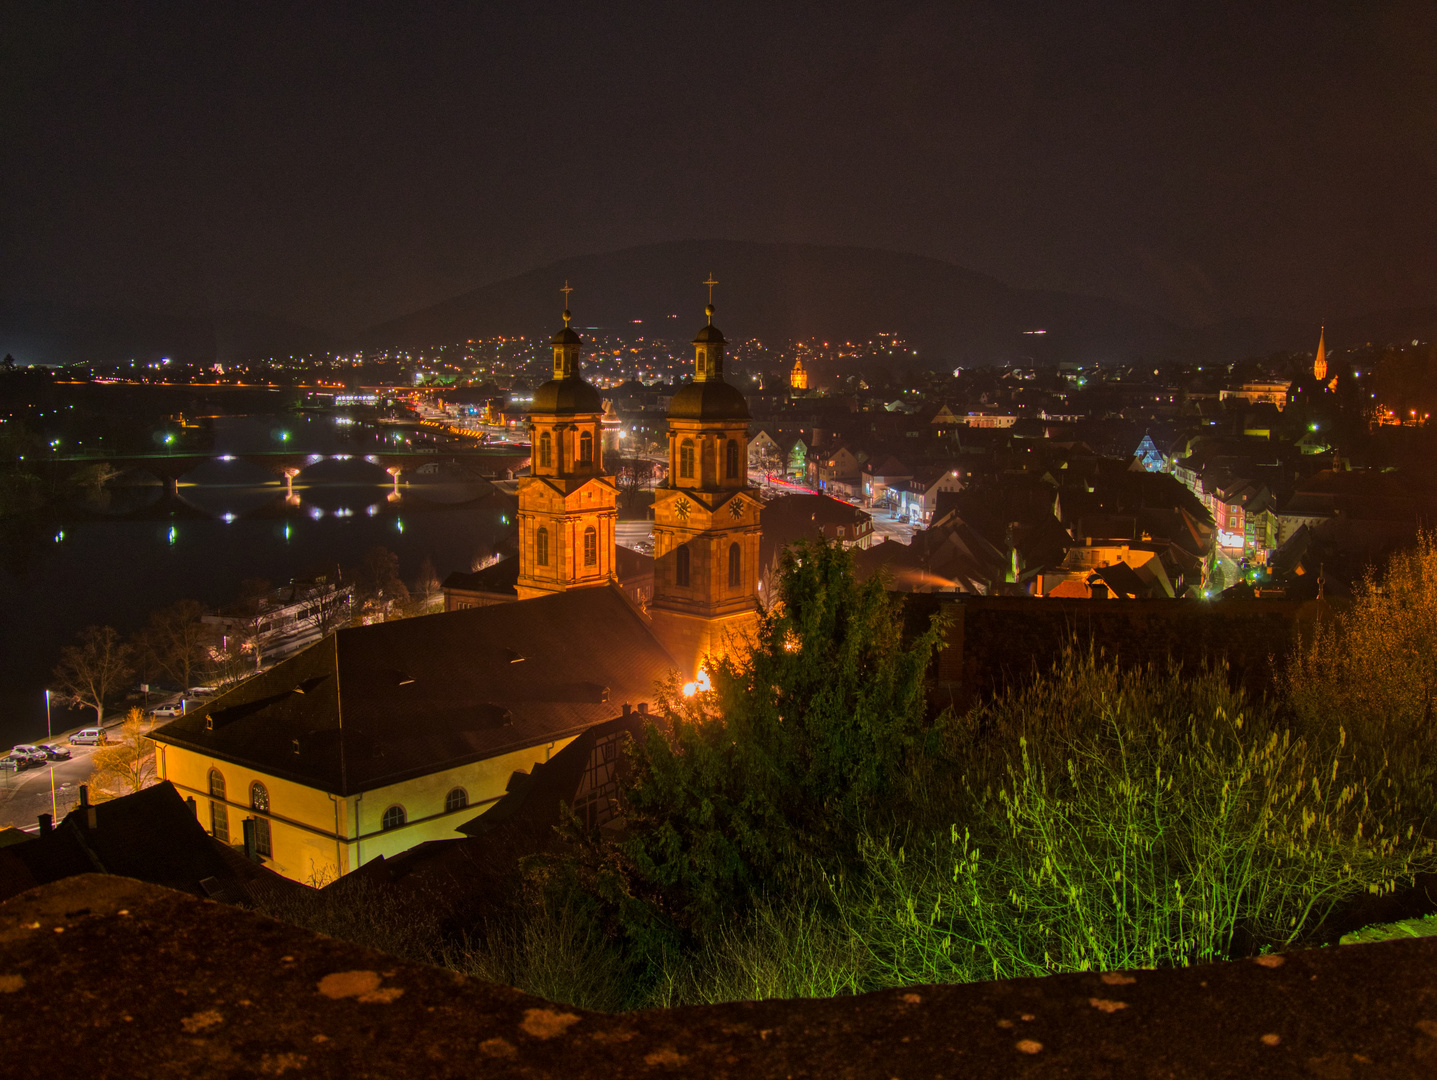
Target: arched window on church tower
x=686, y=459
x=735, y=564
x=591, y=547
x=541, y=547
x=586, y=449
x=731, y=460
x=546, y=450
x=681, y=566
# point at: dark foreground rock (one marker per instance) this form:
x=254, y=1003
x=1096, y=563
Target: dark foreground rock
x=103, y=976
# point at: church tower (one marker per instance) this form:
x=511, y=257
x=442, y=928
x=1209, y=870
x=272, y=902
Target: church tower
x=706, y=520
x=567, y=503
x=798, y=377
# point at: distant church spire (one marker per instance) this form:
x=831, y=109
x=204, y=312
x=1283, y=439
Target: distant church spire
x=1319, y=366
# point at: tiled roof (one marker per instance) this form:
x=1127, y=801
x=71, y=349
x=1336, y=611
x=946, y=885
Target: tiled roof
x=374, y=705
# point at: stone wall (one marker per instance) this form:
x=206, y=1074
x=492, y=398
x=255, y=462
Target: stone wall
x=103, y=976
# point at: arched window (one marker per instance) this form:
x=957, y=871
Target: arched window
x=586, y=449
x=457, y=799
x=219, y=813
x=259, y=800
x=686, y=459
x=541, y=546
x=591, y=547
x=546, y=450
x=393, y=818
x=735, y=565
x=731, y=460
x=681, y=566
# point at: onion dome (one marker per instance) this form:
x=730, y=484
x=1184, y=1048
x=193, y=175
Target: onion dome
x=566, y=392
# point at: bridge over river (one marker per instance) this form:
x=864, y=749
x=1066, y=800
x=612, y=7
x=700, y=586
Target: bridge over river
x=493, y=463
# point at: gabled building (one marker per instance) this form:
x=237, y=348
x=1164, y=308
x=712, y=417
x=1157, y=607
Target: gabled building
x=918, y=496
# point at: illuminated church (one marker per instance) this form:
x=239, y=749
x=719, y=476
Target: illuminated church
x=706, y=520
x=379, y=738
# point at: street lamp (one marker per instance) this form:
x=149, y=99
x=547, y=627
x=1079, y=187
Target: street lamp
x=48, y=733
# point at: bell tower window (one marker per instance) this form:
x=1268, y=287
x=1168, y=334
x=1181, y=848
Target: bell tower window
x=586, y=449
x=735, y=564
x=681, y=566
x=686, y=459
x=541, y=547
x=731, y=460
x=591, y=546
x=546, y=450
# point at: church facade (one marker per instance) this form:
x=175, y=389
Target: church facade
x=567, y=503
x=706, y=519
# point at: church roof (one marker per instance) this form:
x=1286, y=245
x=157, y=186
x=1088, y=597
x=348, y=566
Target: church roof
x=566, y=396
x=712, y=400
x=710, y=334
x=376, y=705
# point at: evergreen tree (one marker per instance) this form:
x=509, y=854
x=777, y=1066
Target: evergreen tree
x=799, y=744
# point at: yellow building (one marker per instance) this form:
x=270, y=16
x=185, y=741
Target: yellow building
x=567, y=503
x=706, y=520
x=382, y=737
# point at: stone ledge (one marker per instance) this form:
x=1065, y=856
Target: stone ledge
x=104, y=976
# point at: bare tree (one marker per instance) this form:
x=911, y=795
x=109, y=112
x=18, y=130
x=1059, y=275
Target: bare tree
x=328, y=607
x=256, y=625
x=176, y=641
x=378, y=589
x=428, y=583
x=93, y=671
x=633, y=475
x=126, y=762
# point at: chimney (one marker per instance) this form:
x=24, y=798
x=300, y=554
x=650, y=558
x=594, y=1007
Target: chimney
x=194, y=809
x=643, y=708
x=46, y=824
x=90, y=819
x=628, y=708
x=249, y=841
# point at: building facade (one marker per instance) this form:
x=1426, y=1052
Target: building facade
x=567, y=503
x=706, y=519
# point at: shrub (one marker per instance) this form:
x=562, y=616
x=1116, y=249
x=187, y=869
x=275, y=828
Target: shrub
x=1373, y=669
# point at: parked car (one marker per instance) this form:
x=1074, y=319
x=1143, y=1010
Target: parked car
x=90, y=736
x=14, y=762
x=54, y=751
x=203, y=691
x=176, y=709
x=27, y=750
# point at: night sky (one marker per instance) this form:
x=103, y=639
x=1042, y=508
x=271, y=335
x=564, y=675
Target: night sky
x=340, y=164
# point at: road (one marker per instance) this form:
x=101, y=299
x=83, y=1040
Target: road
x=25, y=796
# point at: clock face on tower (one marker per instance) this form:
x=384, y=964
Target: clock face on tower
x=735, y=509
x=683, y=507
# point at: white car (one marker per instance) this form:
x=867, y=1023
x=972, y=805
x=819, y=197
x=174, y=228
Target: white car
x=90, y=736
x=168, y=710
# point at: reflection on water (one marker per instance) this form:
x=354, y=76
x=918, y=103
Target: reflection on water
x=139, y=546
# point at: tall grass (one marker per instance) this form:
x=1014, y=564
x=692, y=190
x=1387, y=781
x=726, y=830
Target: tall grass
x=1124, y=820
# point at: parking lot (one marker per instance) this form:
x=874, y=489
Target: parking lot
x=24, y=796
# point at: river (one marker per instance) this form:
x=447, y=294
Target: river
x=112, y=561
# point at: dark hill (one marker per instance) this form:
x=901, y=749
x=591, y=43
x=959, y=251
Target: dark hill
x=779, y=291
